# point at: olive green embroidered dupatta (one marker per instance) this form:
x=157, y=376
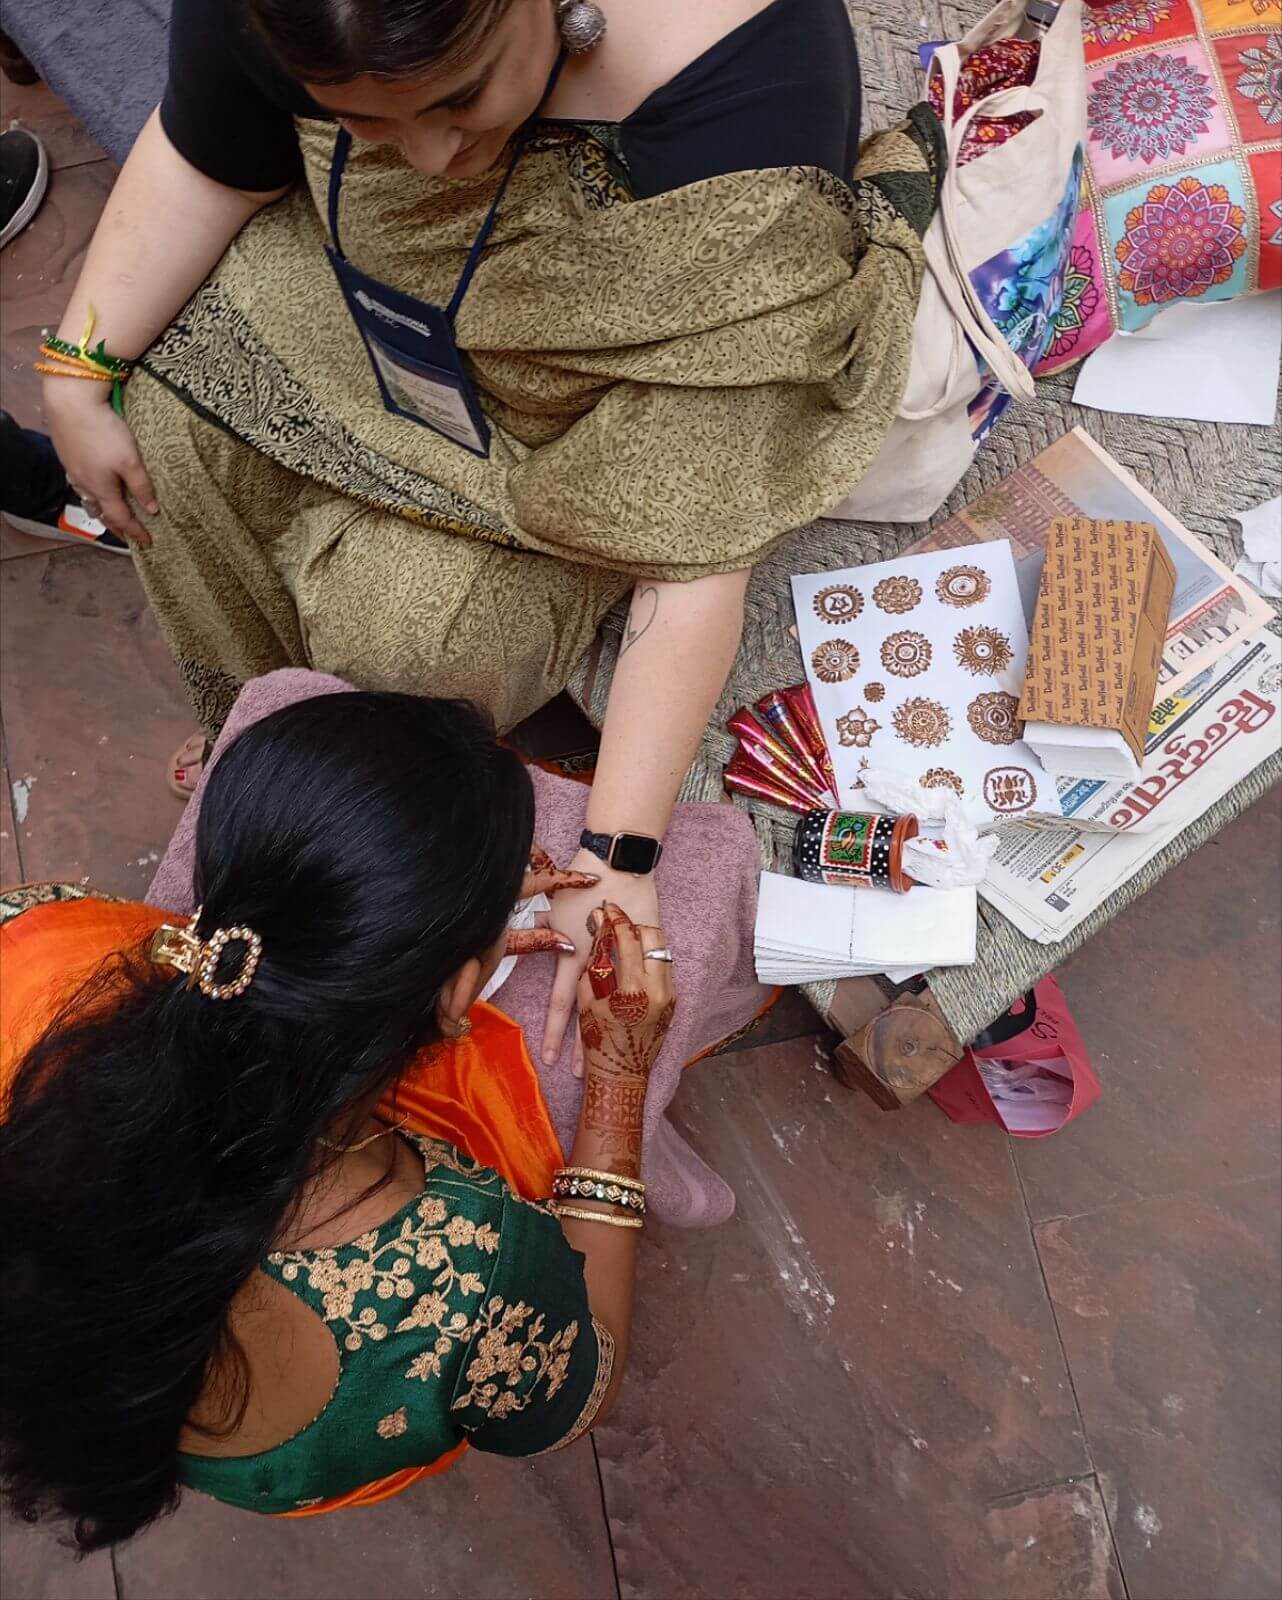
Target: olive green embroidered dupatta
x=674, y=383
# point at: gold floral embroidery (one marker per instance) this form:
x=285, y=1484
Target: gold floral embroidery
x=425, y=1240
x=394, y=1424
x=604, y=1372
x=510, y=1351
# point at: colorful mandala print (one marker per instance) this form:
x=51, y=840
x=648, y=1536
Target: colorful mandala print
x=1183, y=240
x=1078, y=306
x=874, y=692
x=994, y=718
x=906, y=654
x=1261, y=82
x=1150, y=108
x=834, y=661
x=897, y=595
x=1124, y=20
x=857, y=728
x=963, y=586
x=839, y=603
x=983, y=651
x=941, y=778
x=922, y=722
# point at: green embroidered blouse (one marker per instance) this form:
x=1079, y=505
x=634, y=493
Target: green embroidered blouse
x=464, y=1316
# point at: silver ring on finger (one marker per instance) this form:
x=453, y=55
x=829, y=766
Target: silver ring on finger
x=663, y=954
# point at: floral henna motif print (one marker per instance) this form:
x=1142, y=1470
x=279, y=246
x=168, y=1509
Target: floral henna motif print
x=983, y=651
x=874, y=692
x=922, y=722
x=835, y=660
x=897, y=595
x=839, y=603
x=906, y=654
x=994, y=718
x=963, y=586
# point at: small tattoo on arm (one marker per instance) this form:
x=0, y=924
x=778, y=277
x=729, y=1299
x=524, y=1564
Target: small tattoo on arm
x=644, y=609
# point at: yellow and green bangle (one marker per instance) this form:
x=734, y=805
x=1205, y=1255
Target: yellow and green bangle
x=85, y=360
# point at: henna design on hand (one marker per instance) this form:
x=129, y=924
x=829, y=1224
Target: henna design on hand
x=629, y=1005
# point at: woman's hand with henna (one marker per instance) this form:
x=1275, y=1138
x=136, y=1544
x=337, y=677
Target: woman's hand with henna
x=545, y=877
x=625, y=1010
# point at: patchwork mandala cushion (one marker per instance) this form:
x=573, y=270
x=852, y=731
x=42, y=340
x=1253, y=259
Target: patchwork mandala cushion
x=1181, y=193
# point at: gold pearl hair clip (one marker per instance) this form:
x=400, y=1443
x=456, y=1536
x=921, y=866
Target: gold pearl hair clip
x=185, y=951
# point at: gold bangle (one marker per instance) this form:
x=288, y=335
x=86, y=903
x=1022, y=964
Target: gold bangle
x=596, y=1216
x=600, y=1177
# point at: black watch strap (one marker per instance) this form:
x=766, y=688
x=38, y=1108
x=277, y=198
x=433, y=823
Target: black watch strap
x=628, y=852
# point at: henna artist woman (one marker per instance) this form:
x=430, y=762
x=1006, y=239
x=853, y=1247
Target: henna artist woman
x=278, y=1192
x=449, y=324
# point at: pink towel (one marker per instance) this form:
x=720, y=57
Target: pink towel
x=708, y=891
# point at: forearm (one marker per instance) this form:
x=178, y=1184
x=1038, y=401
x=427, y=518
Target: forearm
x=608, y=1140
x=678, y=647
x=164, y=228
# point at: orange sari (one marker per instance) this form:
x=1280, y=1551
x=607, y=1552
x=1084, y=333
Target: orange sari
x=480, y=1094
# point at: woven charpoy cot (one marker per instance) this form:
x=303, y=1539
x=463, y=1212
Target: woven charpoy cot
x=1205, y=473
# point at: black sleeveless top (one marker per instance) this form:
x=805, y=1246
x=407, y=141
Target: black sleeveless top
x=782, y=89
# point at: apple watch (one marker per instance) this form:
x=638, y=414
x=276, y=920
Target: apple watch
x=636, y=853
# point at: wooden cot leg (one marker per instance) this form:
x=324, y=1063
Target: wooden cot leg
x=893, y=1046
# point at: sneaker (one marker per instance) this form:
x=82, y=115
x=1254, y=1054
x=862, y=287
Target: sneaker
x=24, y=177
x=74, y=526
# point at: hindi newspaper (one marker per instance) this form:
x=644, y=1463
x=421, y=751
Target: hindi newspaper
x=1212, y=610
x=1203, y=738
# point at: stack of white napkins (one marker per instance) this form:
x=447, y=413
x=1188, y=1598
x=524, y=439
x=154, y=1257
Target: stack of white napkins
x=809, y=931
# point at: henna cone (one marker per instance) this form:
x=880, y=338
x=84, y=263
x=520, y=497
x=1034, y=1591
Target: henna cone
x=787, y=773
x=772, y=754
x=778, y=713
x=801, y=702
x=741, y=780
x=750, y=731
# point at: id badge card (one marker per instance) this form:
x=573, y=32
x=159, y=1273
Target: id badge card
x=418, y=367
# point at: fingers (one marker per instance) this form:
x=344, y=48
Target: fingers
x=628, y=955
x=600, y=975
x=537, y=941
x=139, y=485
x=545, y=877
x=560, y=1008
x=576, y=1061
x=658, y=974
x=117, y=513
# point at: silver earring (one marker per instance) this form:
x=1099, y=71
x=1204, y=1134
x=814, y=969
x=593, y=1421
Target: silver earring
x=582, y=24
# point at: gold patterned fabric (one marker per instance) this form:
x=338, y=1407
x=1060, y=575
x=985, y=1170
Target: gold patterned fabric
x=673, y=385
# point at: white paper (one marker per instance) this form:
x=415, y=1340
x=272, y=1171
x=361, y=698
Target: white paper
x=924, y=714
x=1261, y=561
x=1209, y=363
x=523, y=917
x=809, y=931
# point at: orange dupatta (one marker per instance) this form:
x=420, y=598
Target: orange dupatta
x=480, y=1094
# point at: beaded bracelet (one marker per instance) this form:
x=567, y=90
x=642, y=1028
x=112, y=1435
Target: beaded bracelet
x=596, y=1216
x=590, y=1189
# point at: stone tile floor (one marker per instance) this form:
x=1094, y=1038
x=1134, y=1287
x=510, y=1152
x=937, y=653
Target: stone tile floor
x=921, y=1361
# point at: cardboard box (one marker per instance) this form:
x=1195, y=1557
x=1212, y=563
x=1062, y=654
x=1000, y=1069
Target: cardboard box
x=1095, y=646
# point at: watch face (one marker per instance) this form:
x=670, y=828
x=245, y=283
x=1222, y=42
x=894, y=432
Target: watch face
x=633, y=852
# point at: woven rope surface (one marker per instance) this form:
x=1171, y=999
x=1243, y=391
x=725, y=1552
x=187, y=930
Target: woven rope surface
x=1203, y=472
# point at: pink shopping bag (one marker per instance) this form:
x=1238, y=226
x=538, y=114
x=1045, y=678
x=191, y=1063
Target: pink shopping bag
x=1032, y=1079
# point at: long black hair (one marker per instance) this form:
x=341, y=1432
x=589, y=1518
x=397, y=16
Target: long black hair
x=335, y=41
x=156, y=1141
